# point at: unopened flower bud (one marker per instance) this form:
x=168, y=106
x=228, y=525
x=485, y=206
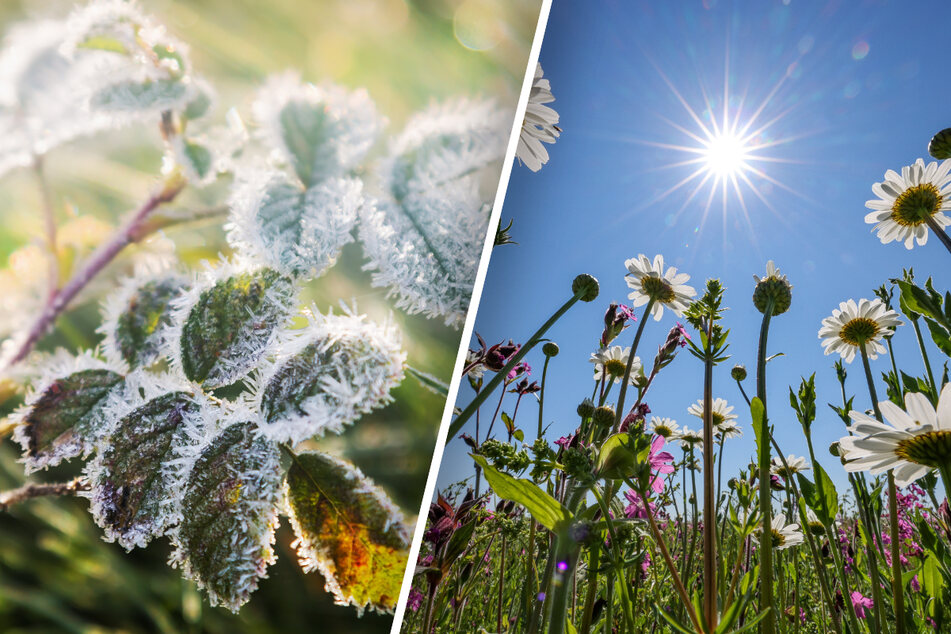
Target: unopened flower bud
x=550, y=349
x=586, y=408
x=834, y=449
x=585, y=287
x=603, y=416
x=940, y=145
x=738, y=372
x=773, y=288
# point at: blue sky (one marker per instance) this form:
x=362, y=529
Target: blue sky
x=848, y=90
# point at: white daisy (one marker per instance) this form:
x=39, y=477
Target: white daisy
x=689, y=438
x=795, y=465
x=722, y=412
x=728, y=430
x=913, y=441
x=649, y=281
x=784, y=535
x=813, y=524
x=664, y=427
x=613, y=360
x=906, y=201
x=539, y=124
x=853, y=324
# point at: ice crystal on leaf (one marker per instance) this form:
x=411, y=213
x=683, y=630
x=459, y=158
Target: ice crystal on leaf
x=66, y=414
x=424, y=236
x=229, y=514
x=139, y=466
x=292, y=228
x=136, y=318
x=349, y=530
x=328, y=374
x=223, y=324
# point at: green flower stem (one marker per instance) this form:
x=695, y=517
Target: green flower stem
x=768, y=624
x=565, y=552
x=619, y=414
x=594, y=561
x=501, y=587
x=709, y=494
x=626, y=601
x=898, y=596
x=541, y=398
x=939, y=232
x=476, y=403
x=924, y=357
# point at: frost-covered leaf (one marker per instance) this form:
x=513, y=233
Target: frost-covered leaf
x=42, y=94
x=347, y=529
x=320, y=131
x=425, y=238
x=137, y=471
x=196, y=159
x=443, y=143
x=328, y=374
x=426, y=249
x=67, y=413
x=229, y=514
x=223, y=324
x=135, y=96
x=136, y=318
x=300, y=231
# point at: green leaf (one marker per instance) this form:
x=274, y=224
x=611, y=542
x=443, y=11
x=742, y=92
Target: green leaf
x=616, y=458
x=226, y=329
x=458, y=543
x=133, y=96
x=196, y=159
x=939, y=334
x=135, y=319
x=349, y=530
x=67, y=415
x=134, y=476
x=103, y=43
x=546, y=510
x=229, y=513
x=758, y=412
x=821, y=497
x=309, y=132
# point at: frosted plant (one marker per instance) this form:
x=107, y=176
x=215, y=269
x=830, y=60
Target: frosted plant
x=190, y=412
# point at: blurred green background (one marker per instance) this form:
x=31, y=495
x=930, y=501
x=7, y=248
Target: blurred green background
x=55, y=572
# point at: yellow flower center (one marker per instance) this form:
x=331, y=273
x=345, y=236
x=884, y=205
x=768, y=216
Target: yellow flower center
x=858, y=331
x=615, y=367
x=717, y=419
x=931, y=449
x=663, y=430
x=778, y=538
x=657, y=289
x=916, y=204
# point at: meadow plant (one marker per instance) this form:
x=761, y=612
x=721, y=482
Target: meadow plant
x=624, y=533
x=191, y=412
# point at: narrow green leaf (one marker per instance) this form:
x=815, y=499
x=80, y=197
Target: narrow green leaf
x=546, y=510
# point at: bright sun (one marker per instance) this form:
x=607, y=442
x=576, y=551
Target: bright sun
x=725, y=154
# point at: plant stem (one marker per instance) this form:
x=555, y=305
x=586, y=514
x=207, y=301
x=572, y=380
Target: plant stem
x=501, y=586
x=32, y=490
x=60, y=300
x=898, y=596
x=939, y=232
x=474, y=405
x=709, y=494
x=924, y=357
x=768, y=624
x=619, y=414
x=49, y=215
x=541, y=398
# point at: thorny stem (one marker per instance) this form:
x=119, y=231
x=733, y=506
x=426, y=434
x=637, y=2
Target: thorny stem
x=60, y=300
x=897, y=592
x=619, y=414
x=32, y=490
